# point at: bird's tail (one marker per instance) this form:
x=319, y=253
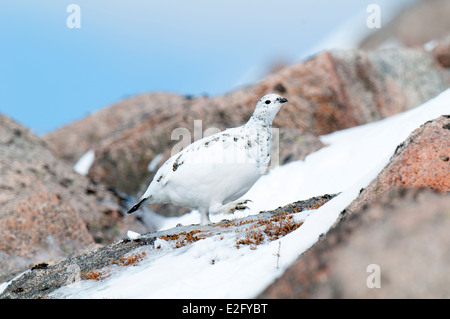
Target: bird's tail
x=138, y=205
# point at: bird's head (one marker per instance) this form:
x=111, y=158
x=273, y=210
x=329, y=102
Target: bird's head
x=268, y=106
x=270, y=101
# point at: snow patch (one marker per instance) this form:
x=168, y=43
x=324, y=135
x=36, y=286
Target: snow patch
x=83, y=165
x=133, y=235
x=430, y=45
x=154, y=163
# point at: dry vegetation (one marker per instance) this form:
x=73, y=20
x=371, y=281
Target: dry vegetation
x=269, y=229
x=183, y=238
x=99, y=274
x=250, y=231
x=96, y=274
x=131, y=260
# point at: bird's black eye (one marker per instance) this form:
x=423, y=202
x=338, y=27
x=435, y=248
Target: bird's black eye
x=267, y=102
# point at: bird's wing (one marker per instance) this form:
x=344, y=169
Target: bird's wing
x=229, y=146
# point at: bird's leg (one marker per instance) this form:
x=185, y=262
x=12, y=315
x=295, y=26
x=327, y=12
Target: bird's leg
x=204, y=214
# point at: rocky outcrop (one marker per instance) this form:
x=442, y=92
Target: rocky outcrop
x=442, y=51
x=37, y=228
x=46, y=209
x=329, y=92
x=397, y=225
x=70, y=142
x=394, y=248
x=422, y=161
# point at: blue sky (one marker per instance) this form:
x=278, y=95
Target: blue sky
x=51, y=75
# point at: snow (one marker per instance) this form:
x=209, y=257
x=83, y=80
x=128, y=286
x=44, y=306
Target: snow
x=352, y=159
x=154, y=163
x=133, y=235
x=83, y=165
x=430, y=45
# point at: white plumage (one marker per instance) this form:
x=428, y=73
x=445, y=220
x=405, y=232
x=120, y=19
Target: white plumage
x=211, y=174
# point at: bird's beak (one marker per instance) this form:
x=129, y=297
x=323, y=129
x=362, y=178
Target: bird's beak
x=283, y=100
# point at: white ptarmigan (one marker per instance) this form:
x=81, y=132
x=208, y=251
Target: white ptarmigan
x=211, y=174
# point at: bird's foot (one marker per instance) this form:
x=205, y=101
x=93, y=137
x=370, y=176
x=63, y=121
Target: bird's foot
x=237, y=205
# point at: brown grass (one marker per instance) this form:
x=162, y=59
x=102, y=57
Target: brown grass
x=99, y=274
x=131, y=260
x=268, y=229
x=183, y=238
x=95, y=274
